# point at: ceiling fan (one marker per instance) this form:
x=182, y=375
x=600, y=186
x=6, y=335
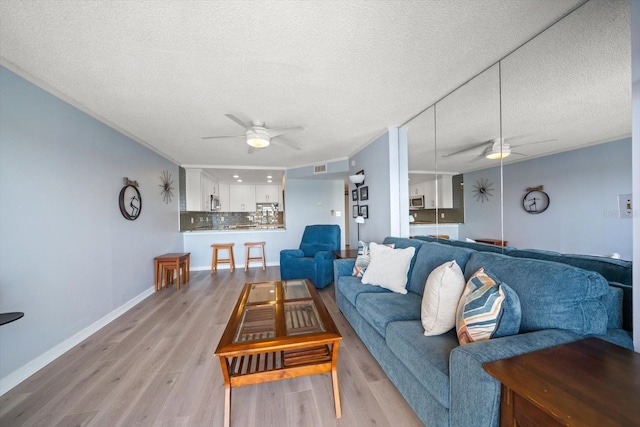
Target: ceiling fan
x=259, y=136
x=493, y=149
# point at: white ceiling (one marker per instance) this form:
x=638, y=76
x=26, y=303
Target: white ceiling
x=166, y=72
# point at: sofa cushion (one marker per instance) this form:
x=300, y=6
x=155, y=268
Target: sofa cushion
x=429, y=257
x=378, y=309
x=440, y=299
x=388, y=267
x=351, y=287
x=426, y=357
x=552, y=295
x=614, y=270
x=487, y=309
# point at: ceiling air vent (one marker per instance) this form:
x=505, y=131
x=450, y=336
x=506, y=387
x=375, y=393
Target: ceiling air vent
x=320, y=168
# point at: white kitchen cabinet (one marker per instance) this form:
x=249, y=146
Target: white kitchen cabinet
x=267, y=193
x=430, y=195
x=242, y=198
x=200, y=187
x=416, y=189
x=223, y=195
x=445, y=192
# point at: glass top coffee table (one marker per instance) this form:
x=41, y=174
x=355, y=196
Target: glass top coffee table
x=278, y=330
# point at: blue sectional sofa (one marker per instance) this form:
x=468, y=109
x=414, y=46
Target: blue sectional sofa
x=443, y=381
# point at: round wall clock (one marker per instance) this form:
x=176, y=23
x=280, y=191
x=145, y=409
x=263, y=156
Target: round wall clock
x=482, y=190
x=130, y=202
x=535, y=201
x=166, y=185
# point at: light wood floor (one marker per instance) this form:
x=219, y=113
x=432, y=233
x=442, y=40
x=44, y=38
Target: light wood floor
x=154, y=366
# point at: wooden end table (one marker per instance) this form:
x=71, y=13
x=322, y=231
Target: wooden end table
x=346, y=253
x=278, y=330
x=588, y=383
x=171, y=261
x=495, y=242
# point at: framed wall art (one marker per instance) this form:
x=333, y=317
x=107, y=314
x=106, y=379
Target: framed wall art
x=354, y=195
x=355, y=211
x=364, y=193
x=364, y=211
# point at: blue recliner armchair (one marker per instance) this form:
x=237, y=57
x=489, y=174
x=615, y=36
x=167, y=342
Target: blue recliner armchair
x=314, y=259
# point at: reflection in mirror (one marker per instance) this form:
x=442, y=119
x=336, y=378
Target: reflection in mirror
x=468, y=123
x=566, y=114
x=565, y=103
x=422, y=174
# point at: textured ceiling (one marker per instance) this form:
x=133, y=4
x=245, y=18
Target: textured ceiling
x=166, y=72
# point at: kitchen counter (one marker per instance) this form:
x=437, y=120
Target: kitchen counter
x=238, y=228
x=427, y=229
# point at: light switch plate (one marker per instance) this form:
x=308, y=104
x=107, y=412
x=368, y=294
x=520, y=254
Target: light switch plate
x=625, y=206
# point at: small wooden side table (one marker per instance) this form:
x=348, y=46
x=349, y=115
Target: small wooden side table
x=346, y=253
x=588, y=383
x=495, y=242
x=171, y=261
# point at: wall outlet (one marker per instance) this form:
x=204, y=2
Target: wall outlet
x=191, y=220
x=338, y=213
x=221, y=219
x=442, y=215
x=625, y=209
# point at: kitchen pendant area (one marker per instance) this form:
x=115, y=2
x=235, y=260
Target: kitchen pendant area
x=230, y=200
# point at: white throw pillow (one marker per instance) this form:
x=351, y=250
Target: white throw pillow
x=440, y=299
x=388, y=267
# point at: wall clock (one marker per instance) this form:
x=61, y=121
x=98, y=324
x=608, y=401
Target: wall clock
x=536, y=200
x=166, y=185
x=130, y=200
x=482, y=190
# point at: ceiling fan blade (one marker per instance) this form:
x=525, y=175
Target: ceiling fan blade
x=273, y=132
x=283, y=141
x=479, y=157
x=238, y=121
x=532, y=143
x=466, y=150
x=519, y=154
x=223, y=136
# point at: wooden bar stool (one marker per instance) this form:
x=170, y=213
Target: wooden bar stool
x=215, y=260
x=257, y=245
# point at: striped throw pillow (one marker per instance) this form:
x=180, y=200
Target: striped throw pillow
x=487, y=309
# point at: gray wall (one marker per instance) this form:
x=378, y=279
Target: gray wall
x=583, y=186
x=384, y=162
x=67, y=256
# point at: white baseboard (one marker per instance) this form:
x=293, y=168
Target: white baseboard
x=226, y=267
x=30, y=368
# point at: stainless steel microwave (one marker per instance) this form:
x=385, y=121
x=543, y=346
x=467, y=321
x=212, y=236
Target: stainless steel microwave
x=416, y=202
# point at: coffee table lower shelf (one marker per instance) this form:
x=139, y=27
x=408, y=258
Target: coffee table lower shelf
x=256, y=368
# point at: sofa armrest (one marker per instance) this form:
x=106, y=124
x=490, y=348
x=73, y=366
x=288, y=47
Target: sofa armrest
x=474, y=394
x=343, y=267
x=290, y=253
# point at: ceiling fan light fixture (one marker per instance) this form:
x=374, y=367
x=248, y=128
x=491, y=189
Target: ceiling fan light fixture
x=496, y=155
x=497, y=150
x=258, y=141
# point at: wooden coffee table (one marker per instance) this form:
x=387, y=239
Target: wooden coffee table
x=278, y=330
